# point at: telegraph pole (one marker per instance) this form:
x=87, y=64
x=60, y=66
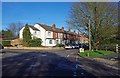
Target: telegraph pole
x=89, y=35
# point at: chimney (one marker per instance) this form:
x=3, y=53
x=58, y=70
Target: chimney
x=62, y=28
x=74, y=32
x=68, y=30
x=53, y=27
x=79, y=33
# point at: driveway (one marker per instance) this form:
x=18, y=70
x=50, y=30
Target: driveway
x=51, y=63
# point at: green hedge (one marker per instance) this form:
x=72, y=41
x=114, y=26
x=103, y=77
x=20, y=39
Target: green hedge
x=35, y=42
x=6, y=43
x=60, y=45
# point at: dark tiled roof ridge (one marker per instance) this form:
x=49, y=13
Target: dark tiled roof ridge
x=34, y=28
x=65, y=31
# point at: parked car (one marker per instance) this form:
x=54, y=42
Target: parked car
x=1, y=46
x=85, y=46
x=75, y=46
x=67, y=46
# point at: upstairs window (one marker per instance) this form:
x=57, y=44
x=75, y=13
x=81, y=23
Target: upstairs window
x=49, y=33
x=56, y=35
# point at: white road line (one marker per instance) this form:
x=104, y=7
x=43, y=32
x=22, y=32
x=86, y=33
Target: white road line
x=82, y=73
x=44, y=55
x=76, y=66
x=68, y=55
x=76, y=58
x=74, y=74
x=68, y=50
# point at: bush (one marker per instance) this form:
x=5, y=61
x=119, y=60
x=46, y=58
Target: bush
x=60, y=45
x=6, y=43
x=35, y=42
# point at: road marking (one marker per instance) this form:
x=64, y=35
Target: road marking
x=68, y=55
x=82, y=73
x=68, y=50
x=74, y=74
x=76, y=66
x=19, y=64
x=35, y=65
x=44, y=55
x=76, y=58
x=27, y=59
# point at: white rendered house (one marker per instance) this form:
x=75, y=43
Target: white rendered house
x=50, y=35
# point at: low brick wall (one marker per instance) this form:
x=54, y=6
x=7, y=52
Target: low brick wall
x=36, y=48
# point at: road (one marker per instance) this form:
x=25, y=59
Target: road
x=25, y=63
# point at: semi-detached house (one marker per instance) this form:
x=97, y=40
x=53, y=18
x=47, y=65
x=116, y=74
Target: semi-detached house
x=51, y=36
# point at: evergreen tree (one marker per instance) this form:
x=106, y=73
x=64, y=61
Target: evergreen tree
x=26, y=35
x=7, y=33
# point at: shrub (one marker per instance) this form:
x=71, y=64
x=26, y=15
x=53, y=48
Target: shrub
x=60, y=45
x=6, y=43
x=35, y=42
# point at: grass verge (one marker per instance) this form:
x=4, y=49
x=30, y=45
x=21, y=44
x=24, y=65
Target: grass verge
x=95, y=53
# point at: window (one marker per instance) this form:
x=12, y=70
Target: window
x=56, y=41
x=49, y=33
x=50, y=41
x=56, y=35
x=64, y=35
x=35, y=32
x=59, y=35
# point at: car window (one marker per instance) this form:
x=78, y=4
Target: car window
x=73, y=44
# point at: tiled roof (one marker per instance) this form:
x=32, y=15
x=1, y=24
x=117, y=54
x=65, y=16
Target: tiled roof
x=49, y=28
x=34, y=28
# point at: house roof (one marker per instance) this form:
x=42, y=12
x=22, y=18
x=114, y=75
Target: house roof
x=34, y=28
x=49, y=28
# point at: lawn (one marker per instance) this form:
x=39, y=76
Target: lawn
x=96, y=53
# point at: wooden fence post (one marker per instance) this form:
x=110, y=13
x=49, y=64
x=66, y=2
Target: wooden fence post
x=117, y=48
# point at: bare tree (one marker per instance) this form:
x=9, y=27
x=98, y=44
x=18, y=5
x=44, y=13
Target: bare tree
x=15, y=28
x=102, y=16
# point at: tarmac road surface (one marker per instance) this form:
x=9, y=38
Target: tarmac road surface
x=25, y=63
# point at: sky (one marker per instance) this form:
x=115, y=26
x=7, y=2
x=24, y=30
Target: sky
x=35, y=12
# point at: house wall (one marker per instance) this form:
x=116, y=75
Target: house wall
x=49, y=36
x=34, y=33
x=60, y=35
x=42, y=34
x=21, y=32
x=53, y=42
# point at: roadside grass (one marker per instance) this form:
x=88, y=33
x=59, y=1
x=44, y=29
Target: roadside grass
x=95, y=53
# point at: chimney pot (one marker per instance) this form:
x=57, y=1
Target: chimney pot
x=53, y=26
x=62, y=28
x=68, y=30
x=74, y=32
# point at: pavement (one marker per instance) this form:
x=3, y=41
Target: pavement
x=39, y=63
